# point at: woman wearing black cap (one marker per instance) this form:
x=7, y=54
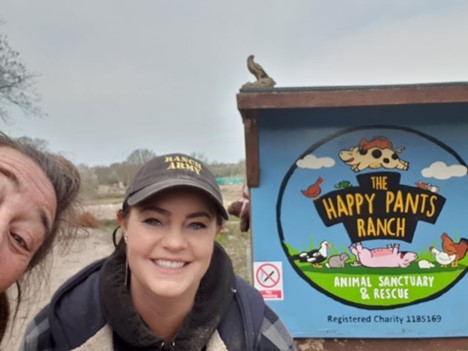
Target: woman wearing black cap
x=168, y=285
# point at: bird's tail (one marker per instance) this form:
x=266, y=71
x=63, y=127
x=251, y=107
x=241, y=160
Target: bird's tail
x=302, y=257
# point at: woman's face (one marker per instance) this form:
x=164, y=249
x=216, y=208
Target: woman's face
x=27, y=211
x=170, y=243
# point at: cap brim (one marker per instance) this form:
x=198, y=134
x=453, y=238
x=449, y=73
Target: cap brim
x=153, y=189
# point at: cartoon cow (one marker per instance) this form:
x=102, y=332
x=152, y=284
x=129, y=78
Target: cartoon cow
x=381, y=257
x=375, y=153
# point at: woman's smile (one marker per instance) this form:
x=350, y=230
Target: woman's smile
x=170, y=264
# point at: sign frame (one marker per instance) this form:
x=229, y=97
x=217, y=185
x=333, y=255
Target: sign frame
x=254, y=104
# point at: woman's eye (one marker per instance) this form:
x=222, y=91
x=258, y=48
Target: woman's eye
x=20, y=241
x=152, y=221
x=197, y=225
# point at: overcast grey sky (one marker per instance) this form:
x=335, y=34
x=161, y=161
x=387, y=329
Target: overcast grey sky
x=118, y=75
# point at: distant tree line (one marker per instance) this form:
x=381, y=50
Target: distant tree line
x=117, y=175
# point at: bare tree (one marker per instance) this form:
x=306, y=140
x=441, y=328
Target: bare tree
x=89, y=180
x=16, y=83
x=140, y=156
x=200, y=156
x=38, y=143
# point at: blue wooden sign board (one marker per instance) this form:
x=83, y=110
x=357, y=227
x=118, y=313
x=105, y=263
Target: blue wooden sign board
x=360, y=219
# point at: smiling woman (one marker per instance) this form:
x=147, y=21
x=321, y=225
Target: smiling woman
x=37, y=190
x=168, y=285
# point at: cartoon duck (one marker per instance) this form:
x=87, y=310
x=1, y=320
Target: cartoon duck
x=314, y=190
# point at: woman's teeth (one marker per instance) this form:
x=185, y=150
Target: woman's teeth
x=170, y=264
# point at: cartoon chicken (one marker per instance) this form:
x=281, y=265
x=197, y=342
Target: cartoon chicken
x=458, y=249
x=442, y=257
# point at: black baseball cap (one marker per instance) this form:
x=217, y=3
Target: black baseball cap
x=173, y=170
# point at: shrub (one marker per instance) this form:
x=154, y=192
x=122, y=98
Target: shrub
x=86, y=220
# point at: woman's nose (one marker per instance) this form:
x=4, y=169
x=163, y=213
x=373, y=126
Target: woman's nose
x=175, y=239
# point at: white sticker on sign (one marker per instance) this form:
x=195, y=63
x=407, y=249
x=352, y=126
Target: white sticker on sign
x=268, y=277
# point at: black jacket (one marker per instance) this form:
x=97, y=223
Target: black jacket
x=97, y=298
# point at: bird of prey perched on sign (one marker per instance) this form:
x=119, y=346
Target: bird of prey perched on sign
x=255, y=68
x=263, y=79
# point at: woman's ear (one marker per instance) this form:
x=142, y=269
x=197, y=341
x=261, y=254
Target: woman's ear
x=121, y=220
x=219, y=228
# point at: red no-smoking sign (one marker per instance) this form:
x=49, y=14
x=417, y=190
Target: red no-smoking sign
x=269, y=279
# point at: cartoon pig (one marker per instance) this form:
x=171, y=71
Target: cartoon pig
x=381, y=257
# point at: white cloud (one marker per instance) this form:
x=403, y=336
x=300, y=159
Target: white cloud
x=439, y=170
x=313, y=162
